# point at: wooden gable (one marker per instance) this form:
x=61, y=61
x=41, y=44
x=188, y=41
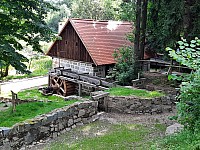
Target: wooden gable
x=70, y=47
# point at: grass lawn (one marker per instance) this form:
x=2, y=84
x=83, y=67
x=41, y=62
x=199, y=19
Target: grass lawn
x=122, y=91
x=28, y=111
x=105, y=136
x=35, y=94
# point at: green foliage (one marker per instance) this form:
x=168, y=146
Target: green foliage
x=189, y=105
x=29, y=110
x=121, y=91
x=21, y=21
x=125, y=69
x=56, y=16
x=99, y=10
x=169, y=20
x=40, y=67
x=164, y=24
x=128, y=10
x=184, y=140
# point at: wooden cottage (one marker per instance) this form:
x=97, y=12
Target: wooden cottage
x=87, y=45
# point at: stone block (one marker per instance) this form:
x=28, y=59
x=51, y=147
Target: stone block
x=77, y=120
x=84, y=120
x=5, y=130
x=92, y=113
x=79, y=124
x=166, y=108
x=15, y=138
x=44, y=129
x=68, y=129
x=61, y=126
x=174, y=129
x=74, y=126
x=55, y=134
x=157, y=101
x=81, y=113
x=70, y=122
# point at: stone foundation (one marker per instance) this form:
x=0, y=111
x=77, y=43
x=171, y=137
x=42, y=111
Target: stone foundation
x=80, y=67
x=48, y=126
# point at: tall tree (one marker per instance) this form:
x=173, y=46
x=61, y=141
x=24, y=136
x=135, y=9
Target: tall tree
x=98, y=9
x=169, y=20
x=137, y=30
x=143, y=27
x=21, y=21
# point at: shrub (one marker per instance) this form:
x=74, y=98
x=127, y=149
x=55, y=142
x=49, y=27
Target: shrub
x=125, y=69
x=189, y=105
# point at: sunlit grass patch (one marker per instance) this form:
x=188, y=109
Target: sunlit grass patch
x=122, y=91
x=35, y=94
x=29, y=110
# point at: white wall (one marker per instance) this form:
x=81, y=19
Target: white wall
x=80, y=67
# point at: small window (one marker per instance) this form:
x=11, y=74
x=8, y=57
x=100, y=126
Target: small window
x=76, y=43
x=65, y=42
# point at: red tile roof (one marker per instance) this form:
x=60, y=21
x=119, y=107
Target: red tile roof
x=101, y=38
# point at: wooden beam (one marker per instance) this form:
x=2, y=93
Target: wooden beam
x=79, y=89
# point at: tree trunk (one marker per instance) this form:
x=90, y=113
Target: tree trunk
x=188, y=18
x=143, y=28
x=6, y=71
x=137, y=30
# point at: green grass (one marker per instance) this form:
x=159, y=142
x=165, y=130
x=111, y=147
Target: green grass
x=110, y=137
x=181, y=141
x=41, y=67
x=28, y=111
x=161, y=127
x=35, y=94
x=121, y=91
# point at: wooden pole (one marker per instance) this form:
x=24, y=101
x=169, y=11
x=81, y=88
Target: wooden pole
x=13, y=101
x=79, y=89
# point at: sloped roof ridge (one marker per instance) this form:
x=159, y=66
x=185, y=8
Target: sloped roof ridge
x=99, y=21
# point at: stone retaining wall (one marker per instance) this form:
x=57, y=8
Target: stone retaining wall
x=133, y=105
x=48, y=126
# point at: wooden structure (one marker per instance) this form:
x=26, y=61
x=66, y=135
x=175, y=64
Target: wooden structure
x=14, y=101
x=87, y=46
x=66, y=82
x=164, y=64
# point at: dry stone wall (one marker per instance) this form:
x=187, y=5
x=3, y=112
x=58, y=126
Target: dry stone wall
x=133, y=105
x=48, y=125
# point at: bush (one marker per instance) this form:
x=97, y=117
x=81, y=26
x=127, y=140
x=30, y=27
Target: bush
x=125, y=69
x=189, y=105
x=186, y=140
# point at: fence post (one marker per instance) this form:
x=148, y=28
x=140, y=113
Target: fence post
x=14, y=99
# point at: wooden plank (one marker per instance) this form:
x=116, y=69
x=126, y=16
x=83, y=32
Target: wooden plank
x=96, y=97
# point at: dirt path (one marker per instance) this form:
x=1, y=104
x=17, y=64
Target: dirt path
x=102, y=126
x=17, y=85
